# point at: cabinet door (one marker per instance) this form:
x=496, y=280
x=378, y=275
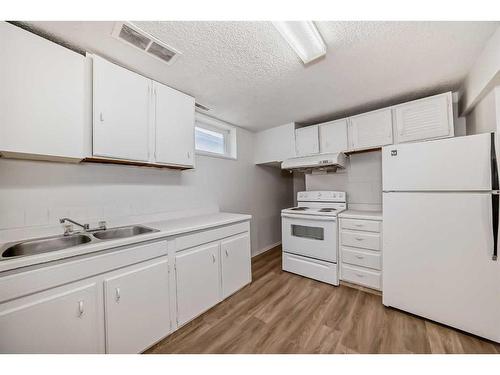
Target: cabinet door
x=424, y=119
x=370, y=130
x=121, y=112
x=68, y=319
x=137, y=307
x=236, y=269
x=174, y=121
x=41, y=94
x=307, y=140
x=198, y=281
x=333, y=136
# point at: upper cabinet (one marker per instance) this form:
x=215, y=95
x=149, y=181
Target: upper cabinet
x=333, y=136
x=274, y=145
x=307, y=140
x=121, y=112
x=370, y=130
x=42, y=97
x=174, y=125
x=137, y=119
x=426, y=118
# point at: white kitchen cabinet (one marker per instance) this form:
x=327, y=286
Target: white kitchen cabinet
x=137, y=306
x=423, y=119
x=121, y=114
x=66, y=319
x=198, y=281
x=236, y=271
x=370, y=130
x=307, y=140
x=42, y=97
x=274, y=145
x=333, y=136
x=174, y=125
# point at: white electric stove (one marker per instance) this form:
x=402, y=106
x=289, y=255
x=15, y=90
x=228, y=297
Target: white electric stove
x=310, y=235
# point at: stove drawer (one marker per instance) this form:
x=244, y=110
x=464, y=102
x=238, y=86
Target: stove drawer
x=313, y=268
x=362, y=276
x=363, y=225
x=363, y=258
x=360, y=239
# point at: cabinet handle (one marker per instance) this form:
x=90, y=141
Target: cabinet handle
x=80, y=308
x=101, y=117
x=360, y=275
x=359, y=238
x=227, y=254
x=189, y=155
x=117, y=294
x=360, y=257
x=213, y=258
x=359, y=225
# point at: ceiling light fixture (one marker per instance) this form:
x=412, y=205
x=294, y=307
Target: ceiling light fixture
x=304, y=38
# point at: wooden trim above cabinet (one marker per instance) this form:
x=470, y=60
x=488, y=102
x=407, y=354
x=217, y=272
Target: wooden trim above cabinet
x=134, y=163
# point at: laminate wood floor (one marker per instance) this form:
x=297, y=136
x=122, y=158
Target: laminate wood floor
x=280, y=312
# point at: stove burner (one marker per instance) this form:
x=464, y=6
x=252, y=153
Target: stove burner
x=327, y=210
x=299, y=208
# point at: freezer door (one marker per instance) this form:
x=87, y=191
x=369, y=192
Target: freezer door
x=437, y=259
x=462, y=163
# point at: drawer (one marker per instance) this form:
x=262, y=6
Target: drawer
x=313, y=268
x=362, y=276
x=363, y=225
x=362, y=258
x=210, y=235
x=361, y=239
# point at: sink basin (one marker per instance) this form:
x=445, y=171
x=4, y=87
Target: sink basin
x=44, y=245
x=123, y=232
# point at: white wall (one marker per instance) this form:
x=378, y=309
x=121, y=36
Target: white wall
x=483, y=74
x=362, y=180
x=485, y=116
x=37, y=194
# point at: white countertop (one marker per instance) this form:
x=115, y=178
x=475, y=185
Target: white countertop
x=361, y=214
x=167, y=228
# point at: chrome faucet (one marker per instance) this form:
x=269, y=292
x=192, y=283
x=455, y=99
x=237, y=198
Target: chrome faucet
x=68, y=228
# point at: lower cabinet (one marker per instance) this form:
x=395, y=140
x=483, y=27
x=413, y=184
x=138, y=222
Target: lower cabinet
x=236, y=270
x=137, y=307
x=66, y=319
x=197, y=281
x=208, y=273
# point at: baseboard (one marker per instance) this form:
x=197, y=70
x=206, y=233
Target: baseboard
x=267, y=248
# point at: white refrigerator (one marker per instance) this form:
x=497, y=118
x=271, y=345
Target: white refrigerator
x=440, y=218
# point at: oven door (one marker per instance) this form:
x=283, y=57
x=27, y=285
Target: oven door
x=311, y=236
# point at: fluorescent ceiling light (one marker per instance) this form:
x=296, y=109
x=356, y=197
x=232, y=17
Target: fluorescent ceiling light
x=304, y=38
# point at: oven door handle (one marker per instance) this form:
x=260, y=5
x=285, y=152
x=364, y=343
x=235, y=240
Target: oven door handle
x=309, y=217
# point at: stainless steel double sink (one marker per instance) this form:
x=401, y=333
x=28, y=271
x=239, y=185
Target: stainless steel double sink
x=61, y=242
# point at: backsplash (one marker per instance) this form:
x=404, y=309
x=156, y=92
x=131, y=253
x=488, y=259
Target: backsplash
x=362, y=180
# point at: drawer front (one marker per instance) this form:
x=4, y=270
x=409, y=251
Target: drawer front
x=312, y=268
x=209, y=235
x=362, y=276
x=361, y=239
x=362, y=258
x=363, y=225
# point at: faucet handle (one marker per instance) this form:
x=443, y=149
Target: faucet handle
x=102, y=224
x=68, y=229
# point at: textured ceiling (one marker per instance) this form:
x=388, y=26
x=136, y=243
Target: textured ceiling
x=247, y=75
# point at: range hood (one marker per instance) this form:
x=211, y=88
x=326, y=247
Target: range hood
x=322, y=162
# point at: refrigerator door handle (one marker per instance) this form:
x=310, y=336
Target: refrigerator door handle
x=495, y=197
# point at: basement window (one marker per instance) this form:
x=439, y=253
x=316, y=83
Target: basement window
x=214, y=137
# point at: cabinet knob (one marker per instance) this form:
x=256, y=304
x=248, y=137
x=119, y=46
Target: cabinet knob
x=80, y=308
x=117, y=294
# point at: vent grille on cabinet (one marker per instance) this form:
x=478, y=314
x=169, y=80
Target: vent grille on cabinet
x=132, y=35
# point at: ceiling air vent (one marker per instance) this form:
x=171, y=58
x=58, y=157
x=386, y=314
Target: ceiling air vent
x=132, y=35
